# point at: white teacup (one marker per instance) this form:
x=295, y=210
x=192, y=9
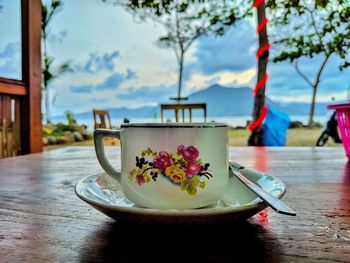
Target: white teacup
x=170, y=166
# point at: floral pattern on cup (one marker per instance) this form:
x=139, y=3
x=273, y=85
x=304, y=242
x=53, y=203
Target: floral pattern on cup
x=184, y=168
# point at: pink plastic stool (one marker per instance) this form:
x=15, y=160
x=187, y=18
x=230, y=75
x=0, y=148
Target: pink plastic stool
x=343, y=118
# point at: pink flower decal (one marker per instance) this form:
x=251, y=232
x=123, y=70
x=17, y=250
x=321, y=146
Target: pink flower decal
x=192, y=169
x=140, y=179
x=190, y=153
x=162, y=161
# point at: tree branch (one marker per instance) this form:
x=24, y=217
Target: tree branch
x=313, y=22
x=248, y=10
x=177, y=55
x=199, y=33
x=302, y=74
x=192, y=40
x=180, y=39
x=318, y=76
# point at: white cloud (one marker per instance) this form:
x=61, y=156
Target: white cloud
x=199, y=80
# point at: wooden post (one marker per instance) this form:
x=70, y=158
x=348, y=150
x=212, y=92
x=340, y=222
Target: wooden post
x=31, y=121
x=255, y=138
x=177, y=115
x=162, y=113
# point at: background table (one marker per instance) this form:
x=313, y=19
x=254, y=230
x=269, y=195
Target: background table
x=183, y=106
x=42, y=220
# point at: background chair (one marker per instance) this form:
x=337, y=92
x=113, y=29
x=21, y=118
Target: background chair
x=105, y=123
x=104, y=119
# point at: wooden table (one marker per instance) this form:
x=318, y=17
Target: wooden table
x=182, y=107
x=42, y=220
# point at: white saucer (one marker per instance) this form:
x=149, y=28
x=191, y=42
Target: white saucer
x=104, y=194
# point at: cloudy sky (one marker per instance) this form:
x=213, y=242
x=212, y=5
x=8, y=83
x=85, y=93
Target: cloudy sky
x=117, y=63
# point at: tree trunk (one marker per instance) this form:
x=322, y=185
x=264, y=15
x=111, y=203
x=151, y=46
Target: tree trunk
x=45, y=69
x=259, y=100
x=179, y=89
x=314, y=90
x=47, y=106
x=312, y=107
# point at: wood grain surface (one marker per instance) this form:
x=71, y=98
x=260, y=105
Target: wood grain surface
x=42, y=220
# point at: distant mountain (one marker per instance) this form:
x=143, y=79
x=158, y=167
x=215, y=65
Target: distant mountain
x=221, y=101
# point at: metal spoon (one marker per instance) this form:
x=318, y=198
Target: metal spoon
x=275, y=203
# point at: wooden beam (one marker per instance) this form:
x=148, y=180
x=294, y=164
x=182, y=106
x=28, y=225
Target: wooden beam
x=31, y=68
x=12, y=87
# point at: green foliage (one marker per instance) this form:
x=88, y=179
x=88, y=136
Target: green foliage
x=309, y=28
x=47, y=13
x=57, y=132
x=90, y=136
x=70, y=118
x=187, y=20
x=49, y=73
x=65, y=127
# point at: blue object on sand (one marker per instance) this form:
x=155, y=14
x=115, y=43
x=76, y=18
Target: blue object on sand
x=275, y=128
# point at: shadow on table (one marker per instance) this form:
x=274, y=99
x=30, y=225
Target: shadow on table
x=236, y=242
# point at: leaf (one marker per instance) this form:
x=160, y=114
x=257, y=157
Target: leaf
x=310, y=28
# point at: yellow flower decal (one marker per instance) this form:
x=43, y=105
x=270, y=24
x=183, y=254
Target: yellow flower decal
x=134, y=172
x=175, y=173
x=191, y=185
x=148, y=151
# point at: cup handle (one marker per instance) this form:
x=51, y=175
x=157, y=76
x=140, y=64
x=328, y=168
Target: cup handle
x=99, y=134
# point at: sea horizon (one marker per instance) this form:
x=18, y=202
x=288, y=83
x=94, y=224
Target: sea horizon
x=232, y=121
